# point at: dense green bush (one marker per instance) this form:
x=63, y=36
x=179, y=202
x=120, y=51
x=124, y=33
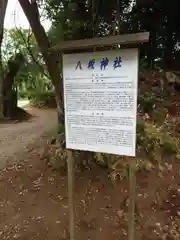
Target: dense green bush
x=39, y=98
x=154, y=141
x=42, y=98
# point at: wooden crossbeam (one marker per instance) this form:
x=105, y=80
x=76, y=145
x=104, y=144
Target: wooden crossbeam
x=134, y=38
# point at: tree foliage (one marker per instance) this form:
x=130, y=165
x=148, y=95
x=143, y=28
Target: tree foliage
x=33, y=75
x=74, y=20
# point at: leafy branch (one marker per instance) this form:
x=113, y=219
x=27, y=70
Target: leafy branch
x=27, y=44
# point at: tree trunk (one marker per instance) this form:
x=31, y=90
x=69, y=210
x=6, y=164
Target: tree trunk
x=3, y=6
x=31, y=11
x=9, y=94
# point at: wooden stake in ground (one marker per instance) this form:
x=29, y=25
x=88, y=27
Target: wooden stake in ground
x=71, y=178
x=131, y=205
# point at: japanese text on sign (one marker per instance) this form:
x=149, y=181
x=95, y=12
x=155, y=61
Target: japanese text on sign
x=104, y=63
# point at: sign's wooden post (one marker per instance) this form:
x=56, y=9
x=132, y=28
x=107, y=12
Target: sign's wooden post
x=84, y=87
x=71, y=177
x=132, y=194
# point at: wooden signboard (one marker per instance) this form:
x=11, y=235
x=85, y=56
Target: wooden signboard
x=100, y=97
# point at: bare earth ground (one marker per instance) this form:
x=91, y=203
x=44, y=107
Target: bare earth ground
x=34, y=205
x=17, y=137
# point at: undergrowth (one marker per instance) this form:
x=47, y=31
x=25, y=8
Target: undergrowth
x=157, y=136
x=40, y=98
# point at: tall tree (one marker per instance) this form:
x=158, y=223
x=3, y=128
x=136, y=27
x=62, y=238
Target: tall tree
x=31, y=11
x=3, y=6
x=9, y=94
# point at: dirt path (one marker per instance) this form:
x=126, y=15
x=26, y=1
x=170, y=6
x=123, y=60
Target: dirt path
x=18, y=137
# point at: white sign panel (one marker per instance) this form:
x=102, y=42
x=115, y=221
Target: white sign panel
x=100, y=95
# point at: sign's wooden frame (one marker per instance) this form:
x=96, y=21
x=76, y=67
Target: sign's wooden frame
x=135, y=38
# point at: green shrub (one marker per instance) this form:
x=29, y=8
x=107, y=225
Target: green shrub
x=42, y=98
x=23, y=95
x=153, y=142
